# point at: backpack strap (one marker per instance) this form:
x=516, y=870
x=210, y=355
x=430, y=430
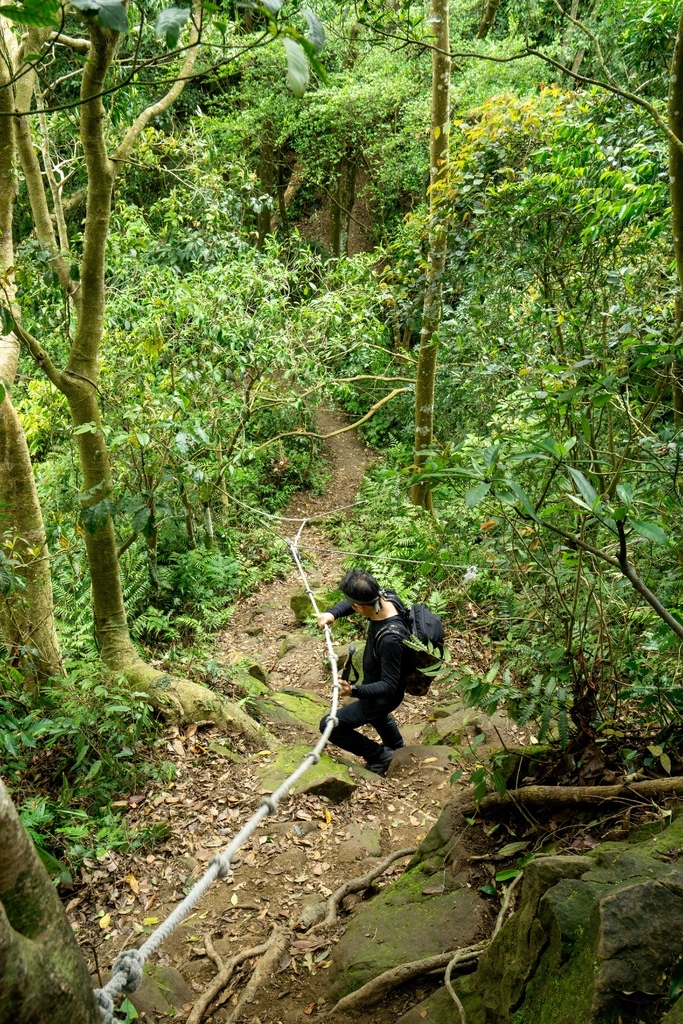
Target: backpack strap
x=399, y=629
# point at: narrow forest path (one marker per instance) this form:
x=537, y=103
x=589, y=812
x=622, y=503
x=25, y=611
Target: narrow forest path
x=295, y=859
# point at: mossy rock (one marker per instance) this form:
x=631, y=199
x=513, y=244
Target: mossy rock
x=593, y=941
x=248, y=674
x=675, y=1014
x=327, y=778
x=400, y=924
x=290, y=706
x=300, y=603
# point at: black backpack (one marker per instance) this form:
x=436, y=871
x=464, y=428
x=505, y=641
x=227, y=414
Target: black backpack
x=427, y=628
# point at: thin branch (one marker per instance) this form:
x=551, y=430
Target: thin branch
x=77, y=45
x=40, y=356
x=123, y=150
x=342, y=430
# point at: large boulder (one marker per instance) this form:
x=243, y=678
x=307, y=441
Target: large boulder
x=405, y=921
x=327, y=778
x=291, y=706
x=594, y=940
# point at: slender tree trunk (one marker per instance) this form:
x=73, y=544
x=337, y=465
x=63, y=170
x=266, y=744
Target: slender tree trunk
x=431, y=315
x=342, y=204
x=266, y=175
x=43, y=976
x=180, y=699
x=676, y=192
x=488, y=18
x=26, y=617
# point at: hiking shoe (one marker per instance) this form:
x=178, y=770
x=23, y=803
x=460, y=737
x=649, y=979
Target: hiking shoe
x=383, y=762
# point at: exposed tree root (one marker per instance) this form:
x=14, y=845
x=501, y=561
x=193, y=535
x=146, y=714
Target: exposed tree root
x=276, y=947
x=225, y=973
x=180, y=700
x=380, y=986
x=458, y=958
x=376, y=989
x=357, y=885
x=543, y=797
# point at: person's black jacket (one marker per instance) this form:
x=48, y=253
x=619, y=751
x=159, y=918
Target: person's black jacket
x=382, y=660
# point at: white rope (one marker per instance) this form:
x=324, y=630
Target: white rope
x=128, y=967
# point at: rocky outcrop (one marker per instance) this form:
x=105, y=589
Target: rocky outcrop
x=406, y=920
x=594, y=941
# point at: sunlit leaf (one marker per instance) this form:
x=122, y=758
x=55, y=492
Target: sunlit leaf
x=169, y=23
x=298, y=73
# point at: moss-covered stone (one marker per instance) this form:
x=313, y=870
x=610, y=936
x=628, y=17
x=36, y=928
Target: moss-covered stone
x=401, y=923
x=300, y=603
x=290, y=706
x=593, y=941
x=327, y=778
x=675, y=1014
x=248, y=674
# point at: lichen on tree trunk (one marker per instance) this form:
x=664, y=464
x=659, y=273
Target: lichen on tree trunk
x=26, y=616
x=43, y=975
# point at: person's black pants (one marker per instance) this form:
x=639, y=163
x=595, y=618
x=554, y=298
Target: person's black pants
x=365, y=712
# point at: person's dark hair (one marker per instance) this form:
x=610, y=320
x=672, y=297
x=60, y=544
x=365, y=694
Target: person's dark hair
x=360, y=587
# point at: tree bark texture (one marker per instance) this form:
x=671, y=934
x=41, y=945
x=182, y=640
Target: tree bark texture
x=43, y=975
x=431, y=314
x=488, y=18
x=26, y=617
x=178, y=699
x=676, y=191
x=342, y=204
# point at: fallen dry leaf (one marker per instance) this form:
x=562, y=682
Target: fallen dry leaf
x=430, y=760
x=423, y=1013
x=133, y=883
x=310, y=1008
x=105, y=921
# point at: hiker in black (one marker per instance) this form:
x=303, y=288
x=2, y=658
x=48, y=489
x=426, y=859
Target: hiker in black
x=382, y=689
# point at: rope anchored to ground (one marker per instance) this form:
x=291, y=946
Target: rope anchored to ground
x=128, y=967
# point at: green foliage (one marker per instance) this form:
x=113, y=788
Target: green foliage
x=70, y=751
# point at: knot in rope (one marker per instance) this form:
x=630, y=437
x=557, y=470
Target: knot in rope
x=270, y=804
x=130, y=964
x=222, y=865
x=106, y=1005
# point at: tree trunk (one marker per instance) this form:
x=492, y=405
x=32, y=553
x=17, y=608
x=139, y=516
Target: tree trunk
x=488, y=18
x=26, y=618
x=43, y=975
x=178, y=699
x=431, y=316
x=342, y=204
x=266, y=176
x=676, y=192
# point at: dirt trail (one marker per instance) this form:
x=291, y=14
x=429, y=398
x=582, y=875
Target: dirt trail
x=302, y=855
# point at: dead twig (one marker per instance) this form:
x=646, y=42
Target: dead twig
x=357, y=885
x=224, y=975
